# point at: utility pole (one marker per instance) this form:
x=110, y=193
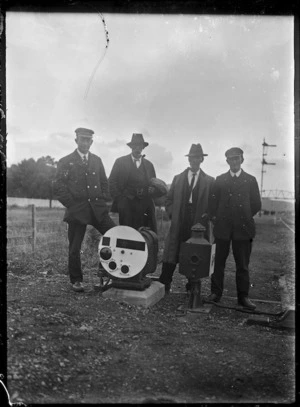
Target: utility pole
x=263, y=163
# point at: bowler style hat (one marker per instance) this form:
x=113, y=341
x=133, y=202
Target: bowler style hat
x=196, y=151
x=81, y=131
x=234, y=152
x=137, y=138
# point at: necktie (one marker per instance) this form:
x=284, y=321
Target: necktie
x=84, y=160
x=137, y=162
x=191, y=186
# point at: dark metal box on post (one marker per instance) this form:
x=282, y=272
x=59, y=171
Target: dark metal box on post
x=196, y=261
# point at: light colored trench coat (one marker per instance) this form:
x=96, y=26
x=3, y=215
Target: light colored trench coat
x=174, y=202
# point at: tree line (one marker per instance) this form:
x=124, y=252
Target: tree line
x=32, y=178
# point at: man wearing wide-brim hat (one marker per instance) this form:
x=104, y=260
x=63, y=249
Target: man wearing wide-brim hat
x=81, y=186
x=186, y=204
x=133, y=187
x=234, y=201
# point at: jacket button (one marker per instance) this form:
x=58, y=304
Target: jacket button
x=95, y=186
x=88, y=186
x=94, y=173
x=96, y=199
x=89, y=199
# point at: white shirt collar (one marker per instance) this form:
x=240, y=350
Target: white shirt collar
x=190, y=175
x=236, y=173
x=136, y=159
x=192, y=172
x=82, y=155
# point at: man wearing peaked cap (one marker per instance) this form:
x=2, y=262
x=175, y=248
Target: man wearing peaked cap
x=132, y=187
x=186, y=204
x=81, y=186
x=84, y=132
x=234, y=201
x=234, y=152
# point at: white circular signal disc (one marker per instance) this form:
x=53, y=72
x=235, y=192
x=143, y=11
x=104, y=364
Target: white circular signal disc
x=123, y=252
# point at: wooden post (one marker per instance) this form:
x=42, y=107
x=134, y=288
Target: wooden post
x=33, y=224
x=51, y=195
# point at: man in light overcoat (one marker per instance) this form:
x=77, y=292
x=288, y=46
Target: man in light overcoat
x=186, y=204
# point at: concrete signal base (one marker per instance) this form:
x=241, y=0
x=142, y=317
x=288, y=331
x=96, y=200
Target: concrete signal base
x=146, y=298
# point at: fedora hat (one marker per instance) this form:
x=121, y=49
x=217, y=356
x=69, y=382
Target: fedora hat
x=196, y=151
x=137, y=138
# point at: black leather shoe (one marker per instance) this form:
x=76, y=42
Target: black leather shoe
x=246, y=303
x=167, y=288
x=213, y=297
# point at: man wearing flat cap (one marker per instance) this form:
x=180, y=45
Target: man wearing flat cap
x=186, y=205
x=81, y=186
x=131, y=187
x=234, y=201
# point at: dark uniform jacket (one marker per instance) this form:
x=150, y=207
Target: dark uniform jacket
x=233, y=203
x=118, y=180
x=81, y=188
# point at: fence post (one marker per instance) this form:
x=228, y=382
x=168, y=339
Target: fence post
x=33, y=224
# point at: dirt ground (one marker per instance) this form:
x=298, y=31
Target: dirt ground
x=66, y=347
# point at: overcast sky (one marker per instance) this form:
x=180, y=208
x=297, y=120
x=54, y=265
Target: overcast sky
x=220, y=81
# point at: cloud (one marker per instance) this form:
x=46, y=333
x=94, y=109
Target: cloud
x=58, y=136
x=115, y=145
x=159, y=155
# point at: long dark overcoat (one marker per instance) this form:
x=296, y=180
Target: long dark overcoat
x=174, y=205
x=118, y=181
x=233, y=204
x=81, y=188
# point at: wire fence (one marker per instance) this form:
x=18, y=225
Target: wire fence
x=30, y=229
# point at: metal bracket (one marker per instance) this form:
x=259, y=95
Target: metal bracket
x=286, y=321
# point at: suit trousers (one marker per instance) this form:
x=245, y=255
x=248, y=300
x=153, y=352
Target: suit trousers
x=134, y=212
x=76, y=232
x=241, y=250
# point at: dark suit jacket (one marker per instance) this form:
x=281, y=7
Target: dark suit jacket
x=82, y=189
x=118, y=178
x=233, y=204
